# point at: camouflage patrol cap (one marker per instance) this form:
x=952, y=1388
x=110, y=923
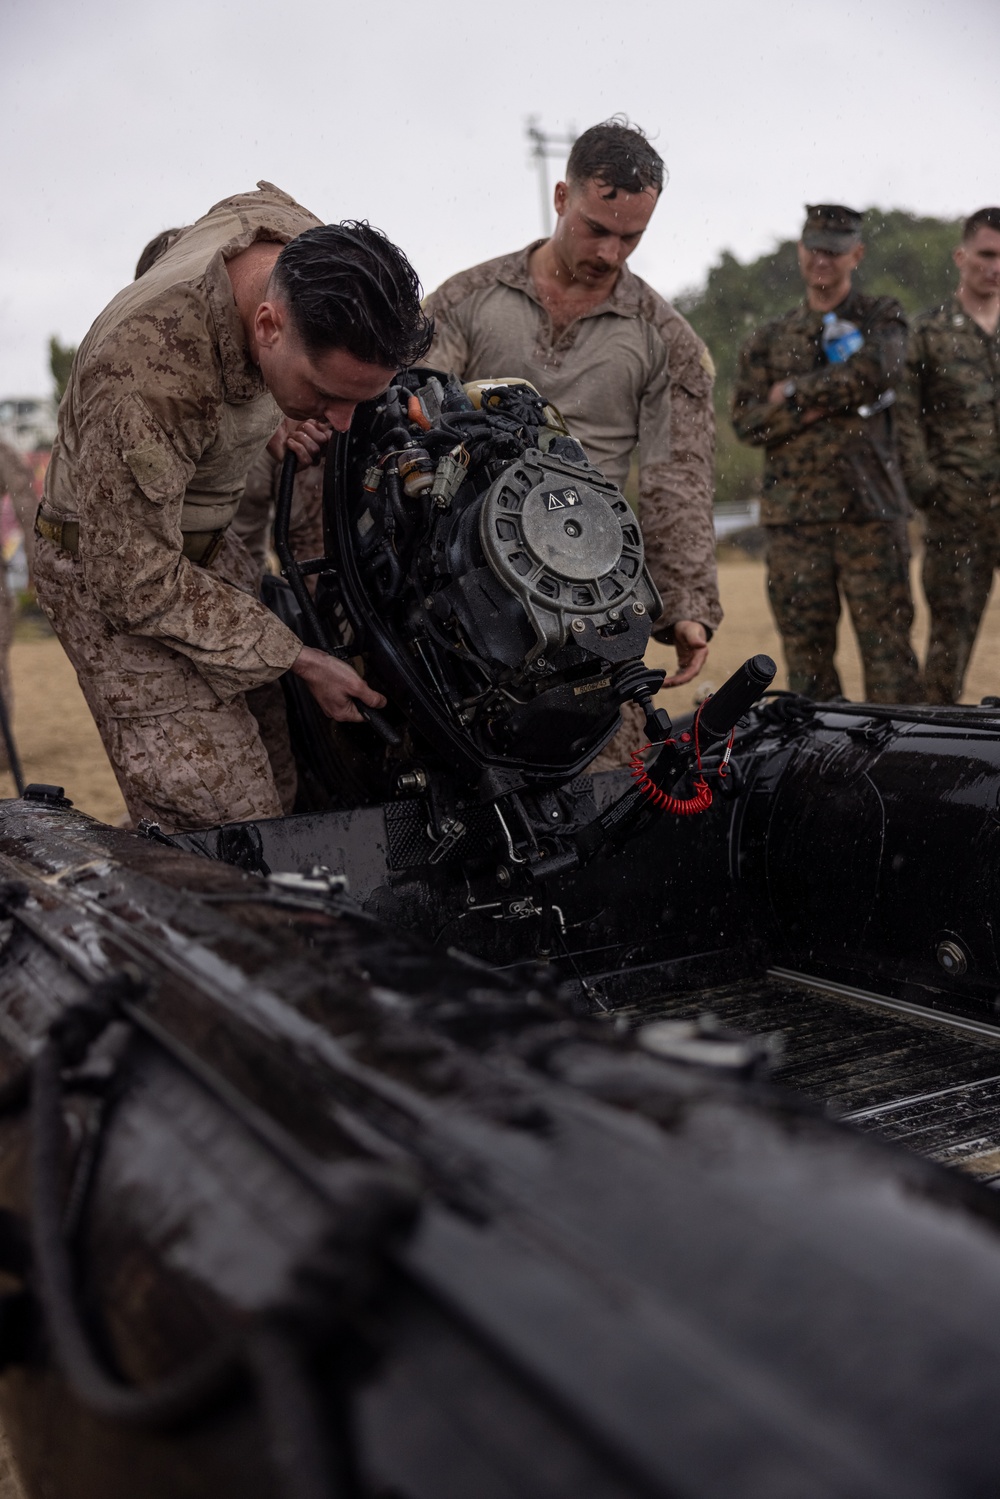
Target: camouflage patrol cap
x=831, y=227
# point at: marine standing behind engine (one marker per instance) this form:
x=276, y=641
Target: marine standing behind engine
x=630, y=375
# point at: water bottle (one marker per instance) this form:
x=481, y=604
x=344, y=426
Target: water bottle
x=841, y=339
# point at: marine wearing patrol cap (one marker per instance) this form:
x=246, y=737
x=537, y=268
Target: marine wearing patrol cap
x=832, y=503
x=831, y=227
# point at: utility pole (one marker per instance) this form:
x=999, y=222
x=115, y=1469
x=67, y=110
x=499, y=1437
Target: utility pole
x=546, y=144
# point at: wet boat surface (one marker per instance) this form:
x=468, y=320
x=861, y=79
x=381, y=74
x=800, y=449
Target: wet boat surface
x=928, y=1080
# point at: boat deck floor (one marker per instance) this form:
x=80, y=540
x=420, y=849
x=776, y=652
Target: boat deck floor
x=928, y=1081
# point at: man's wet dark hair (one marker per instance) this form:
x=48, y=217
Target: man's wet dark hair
x=616, y=153
x=983, y=218
x=347, y=286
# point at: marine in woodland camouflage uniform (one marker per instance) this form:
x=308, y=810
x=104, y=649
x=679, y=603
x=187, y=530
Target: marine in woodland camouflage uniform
x=949, y=442
x=150, y=592
x=15, y=480
x=624, y=368
x=833, y=501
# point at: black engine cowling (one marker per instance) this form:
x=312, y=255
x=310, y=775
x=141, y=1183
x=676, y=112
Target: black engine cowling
x=491, y=578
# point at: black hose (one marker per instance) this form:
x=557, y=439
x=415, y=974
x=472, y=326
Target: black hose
x=174, y=1399
x=403, y=522
x=447, y=430
x=395, y=440
x=307, y=1465
x=391, y=590
x=289, y=566
x=292, y=572
x=15, y=1091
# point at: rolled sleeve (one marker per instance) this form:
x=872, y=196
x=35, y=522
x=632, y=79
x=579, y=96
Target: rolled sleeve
x=676, y=487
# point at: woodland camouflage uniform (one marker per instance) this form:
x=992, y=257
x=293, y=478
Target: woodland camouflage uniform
x=949, y=446
x=151, y=594
x=833, y=501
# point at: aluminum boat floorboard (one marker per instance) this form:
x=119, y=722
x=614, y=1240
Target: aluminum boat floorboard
x=930, y=1084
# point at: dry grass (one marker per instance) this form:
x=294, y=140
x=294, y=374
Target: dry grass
x=748, y=628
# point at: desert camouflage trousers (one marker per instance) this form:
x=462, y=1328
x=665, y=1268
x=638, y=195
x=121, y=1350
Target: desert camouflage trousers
x=809, y=567
x=182, y=758
x=961, y=554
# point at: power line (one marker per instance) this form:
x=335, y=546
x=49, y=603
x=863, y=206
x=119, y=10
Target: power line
x=545, y=146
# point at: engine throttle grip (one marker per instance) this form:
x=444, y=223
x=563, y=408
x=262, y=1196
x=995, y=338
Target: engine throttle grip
x=721, y=712
x=380, y=724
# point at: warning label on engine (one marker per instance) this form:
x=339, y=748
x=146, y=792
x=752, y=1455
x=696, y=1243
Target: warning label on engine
x=559, y=499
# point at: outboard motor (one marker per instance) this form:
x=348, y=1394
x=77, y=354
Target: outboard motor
x=492, y=580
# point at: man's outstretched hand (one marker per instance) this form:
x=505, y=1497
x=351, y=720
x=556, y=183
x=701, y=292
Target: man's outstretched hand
x=691, y=643
x=335, y=685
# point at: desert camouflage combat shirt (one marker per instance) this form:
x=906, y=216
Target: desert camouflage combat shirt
x=843, y=467
x=164, y=414
x=949, y=412
x=630, y=373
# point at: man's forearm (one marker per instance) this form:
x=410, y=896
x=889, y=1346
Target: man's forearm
x=764, y=423
x=676, y=517
x=869, y=372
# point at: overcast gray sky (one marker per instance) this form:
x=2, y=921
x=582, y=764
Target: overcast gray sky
x=121, y=119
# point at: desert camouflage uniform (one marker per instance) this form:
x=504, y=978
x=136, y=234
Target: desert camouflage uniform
x=833, y=500
x=630, y=374
x=949, y=447
x=164, y=415
x=15, y=480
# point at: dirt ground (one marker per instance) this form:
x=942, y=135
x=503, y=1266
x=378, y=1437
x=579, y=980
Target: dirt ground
x=59, y=744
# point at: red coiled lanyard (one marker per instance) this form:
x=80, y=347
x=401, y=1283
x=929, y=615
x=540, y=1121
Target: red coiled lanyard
x=681, y=806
